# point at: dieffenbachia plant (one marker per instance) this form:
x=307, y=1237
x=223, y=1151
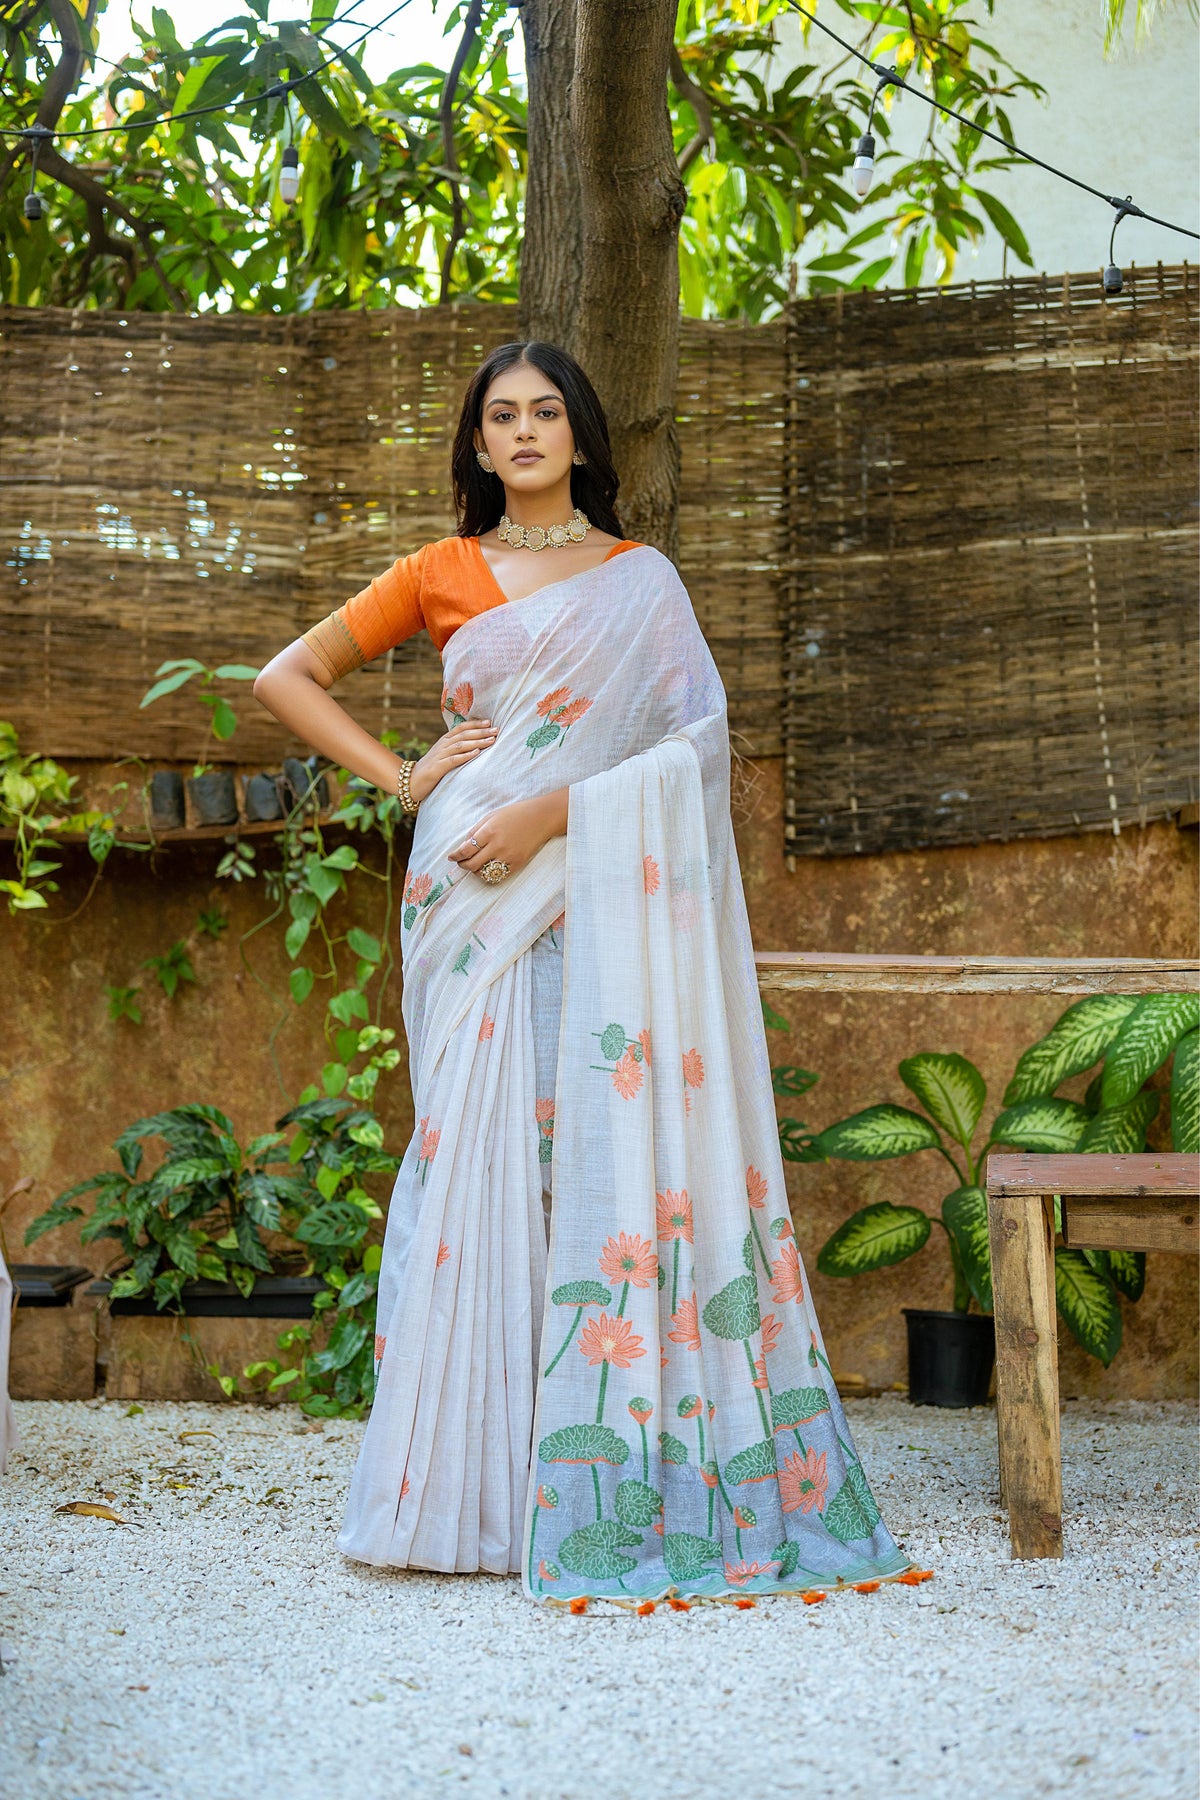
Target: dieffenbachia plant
x=1130, y=1039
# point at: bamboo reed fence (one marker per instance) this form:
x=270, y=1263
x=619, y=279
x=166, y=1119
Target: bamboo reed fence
x=942, y=543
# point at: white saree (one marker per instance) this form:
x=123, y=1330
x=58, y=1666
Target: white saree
x=643, y=1406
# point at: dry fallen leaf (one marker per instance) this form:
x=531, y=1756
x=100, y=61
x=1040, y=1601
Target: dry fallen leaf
x=192, y=1434
x=91, y=1509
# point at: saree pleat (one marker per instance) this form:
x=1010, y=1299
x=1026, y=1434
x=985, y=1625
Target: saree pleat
x=642, y=1405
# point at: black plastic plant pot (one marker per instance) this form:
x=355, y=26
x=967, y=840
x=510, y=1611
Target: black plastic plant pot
x=214, y=797
x=305, y=782
x=166, y=800
x=950, y=1357
x=46, y=1284
x=262, y=797
x=272, y=1297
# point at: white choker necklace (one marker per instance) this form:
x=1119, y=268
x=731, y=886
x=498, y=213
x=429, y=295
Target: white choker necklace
x=544, y=537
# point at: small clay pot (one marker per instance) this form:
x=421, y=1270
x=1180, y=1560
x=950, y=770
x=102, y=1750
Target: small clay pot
x=214, y=797
x=261, y=797
x=166, y=800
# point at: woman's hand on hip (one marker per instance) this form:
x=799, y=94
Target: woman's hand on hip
x=513, y=834
x=462, y=743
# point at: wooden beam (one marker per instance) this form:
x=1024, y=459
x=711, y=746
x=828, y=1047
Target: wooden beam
x=1021, y=1229
x=834, y=972
x=1154, y=1222
x=1152, y=1173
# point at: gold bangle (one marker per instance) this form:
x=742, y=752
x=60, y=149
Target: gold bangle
x=404, y=786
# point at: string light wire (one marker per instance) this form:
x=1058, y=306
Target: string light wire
x=889, y=78
x=40, y=134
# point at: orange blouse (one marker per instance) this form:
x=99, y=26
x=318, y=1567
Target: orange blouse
x=439, y=587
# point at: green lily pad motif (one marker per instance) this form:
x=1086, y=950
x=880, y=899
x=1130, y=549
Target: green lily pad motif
x=596, y=1550
x=797, y=1406
x=852, y=1513
x=584, y=1444
x=637, y=1503
x=685, y=1554
x=733, y=1312
x=581, y=1293
x=788, y=1558
x=671, y=1449
x=754, y=1464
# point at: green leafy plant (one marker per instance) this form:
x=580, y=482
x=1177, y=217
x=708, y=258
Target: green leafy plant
x=788, y=1082
x=201, y=1212
x=36, y=801
x=222, y=718
x=1131, y=1039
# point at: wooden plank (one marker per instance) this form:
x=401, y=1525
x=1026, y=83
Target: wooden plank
x=1155, y=1222
x=836, y=972
x=1125, y=1177
x=1021, y=1229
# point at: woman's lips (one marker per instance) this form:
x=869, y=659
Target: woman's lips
x=527, y=456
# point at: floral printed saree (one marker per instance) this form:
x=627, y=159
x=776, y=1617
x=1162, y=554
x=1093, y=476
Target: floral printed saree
x=642, y=1405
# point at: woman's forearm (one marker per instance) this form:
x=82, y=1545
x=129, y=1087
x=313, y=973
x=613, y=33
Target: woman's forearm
x=299, y=701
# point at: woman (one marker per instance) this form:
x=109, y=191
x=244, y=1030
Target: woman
x=643, y=1405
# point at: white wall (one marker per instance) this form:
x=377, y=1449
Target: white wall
x=1126, y=126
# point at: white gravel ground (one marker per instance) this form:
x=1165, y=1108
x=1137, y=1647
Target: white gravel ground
x=221, y=1649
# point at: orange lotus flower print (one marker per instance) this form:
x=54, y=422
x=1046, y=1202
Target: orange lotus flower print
x=651, y=879
x=405, y=1487
x=674, y=1215
x=459, y=703
x=430, y=1138
x=487, y=1028
x=693, y=1068
x=380, y=1345
x=628, y=1075
x=738, y=1574
x=558, y=712
x=761, y=1378
x=610, y=1340
x=771, y=1329
x=631, y=1259
x=543, y=1112
x=443, y=1255
x=417, y=889
x=786, y=1281
x=643, y=1038
x=803, y=1482
x=756, y=1186
x=686, y=1320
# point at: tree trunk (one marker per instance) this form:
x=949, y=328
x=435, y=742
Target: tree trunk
x=604, y=177
x=552, y=247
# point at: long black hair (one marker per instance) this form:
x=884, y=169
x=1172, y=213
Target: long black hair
x=479, y=497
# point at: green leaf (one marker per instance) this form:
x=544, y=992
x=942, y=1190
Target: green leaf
x=224, y=720
x=584, y=1444
x=300, y=981
x=1008, y=228
x=852, y=1513
x=167, y=686
x=874, y=1238
x=756, y=1463
x=1074, y=1042
x=771, y=1019
x=363, y=944
x=685, y=1554
x=344, y=857
x=880, y=1131
x=637, y=1504
x=1145, y=1041
x=581, y=1293
x=788, y=1081
x=1127, y=1272
x=950, y=1088
x=787, y=1555
x=1047, y=1124
x=543, y=736
x=797, y=1406
x=1088, y=1302
x=671, y=1449
x=1121, y=1129
x=594, y=1550
x=733, y=1312
x=1185, y=1094
x=966, y=1219
x=323, y=882
x=295, y=937
x=612, y=1042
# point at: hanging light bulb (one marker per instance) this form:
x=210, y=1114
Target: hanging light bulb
x=289, y=175
x=37, y=136
x=1112, y=279
x=864, y=165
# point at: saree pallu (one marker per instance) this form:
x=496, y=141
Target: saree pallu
x=643, y=1404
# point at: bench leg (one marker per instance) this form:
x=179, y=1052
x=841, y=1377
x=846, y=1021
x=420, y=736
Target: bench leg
x=1027, y=1416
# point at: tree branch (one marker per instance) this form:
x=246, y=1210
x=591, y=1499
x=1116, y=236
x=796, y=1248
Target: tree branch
x=466, y=44
x=698, y=100
x=90, y=191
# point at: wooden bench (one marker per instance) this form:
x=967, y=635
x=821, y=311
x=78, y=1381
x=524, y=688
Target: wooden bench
x=1146, y=1202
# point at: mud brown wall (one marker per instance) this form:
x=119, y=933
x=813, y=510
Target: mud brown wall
x=71, y=1079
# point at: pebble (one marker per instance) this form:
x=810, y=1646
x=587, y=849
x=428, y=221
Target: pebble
x=218, y=1646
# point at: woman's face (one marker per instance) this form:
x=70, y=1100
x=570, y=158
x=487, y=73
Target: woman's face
x=525, y=430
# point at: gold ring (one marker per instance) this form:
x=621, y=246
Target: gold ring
x=495, y=870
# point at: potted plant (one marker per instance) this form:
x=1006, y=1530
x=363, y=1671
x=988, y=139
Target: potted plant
x=190, y=1232
x=950, y=1352
x=212, y=790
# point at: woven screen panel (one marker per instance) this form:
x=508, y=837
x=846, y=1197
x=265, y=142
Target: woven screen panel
x=210, y=487
x=989, y=591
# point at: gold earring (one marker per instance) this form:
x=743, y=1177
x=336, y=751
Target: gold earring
x=579, y=457
x=485, y=462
